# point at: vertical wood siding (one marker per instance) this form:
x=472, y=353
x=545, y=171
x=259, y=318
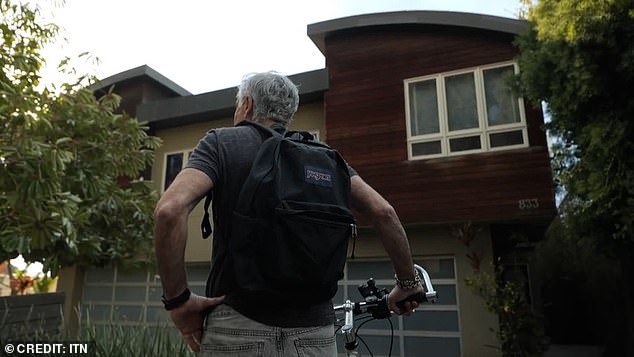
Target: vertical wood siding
x=365, y=121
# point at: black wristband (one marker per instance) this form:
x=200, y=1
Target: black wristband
x=171, y=304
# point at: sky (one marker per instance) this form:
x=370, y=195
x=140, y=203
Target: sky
x=206, y=45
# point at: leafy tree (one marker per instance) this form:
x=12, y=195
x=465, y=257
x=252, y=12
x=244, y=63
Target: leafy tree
x=578, y=57
x=580, y=290
x=63, y=153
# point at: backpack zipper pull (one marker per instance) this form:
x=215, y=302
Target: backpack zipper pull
x=354, y=239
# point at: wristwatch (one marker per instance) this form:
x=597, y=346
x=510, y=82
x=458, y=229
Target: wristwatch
x=173, y=303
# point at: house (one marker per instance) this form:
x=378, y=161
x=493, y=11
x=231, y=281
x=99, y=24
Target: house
x=417, y=102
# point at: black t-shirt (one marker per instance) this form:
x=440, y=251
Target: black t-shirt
x=226, y=156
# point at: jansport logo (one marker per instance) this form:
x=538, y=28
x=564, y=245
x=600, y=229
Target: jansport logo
x=317, y=176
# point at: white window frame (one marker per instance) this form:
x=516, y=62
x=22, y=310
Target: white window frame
x=483, y=130
x=186, y=153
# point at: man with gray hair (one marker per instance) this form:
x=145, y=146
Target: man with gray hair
x=220, y=164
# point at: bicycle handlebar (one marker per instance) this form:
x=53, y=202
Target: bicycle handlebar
x=375, y=301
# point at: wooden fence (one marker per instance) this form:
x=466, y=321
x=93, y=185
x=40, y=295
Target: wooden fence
x=30, y=316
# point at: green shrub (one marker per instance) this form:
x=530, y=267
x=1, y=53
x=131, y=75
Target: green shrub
x=114, y=340
x=520, y=333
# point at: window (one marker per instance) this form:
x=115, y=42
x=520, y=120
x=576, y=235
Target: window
x=464, y=112
x=174, y=163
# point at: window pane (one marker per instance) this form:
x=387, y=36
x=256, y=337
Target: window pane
x=365, y=270
x=427, y=148
x=129, y=293
x=507, y=138
x=155, y=292
x=429, y=320
x=464, y=144
x=95, y=312
x=462, y=110
x=423, y=108
x=128, y=313
x=432, y=346
x=97, y=293
x=156, y=314
x=438, y=268
x=502, y=105
x=173, y=166
x=446, y=293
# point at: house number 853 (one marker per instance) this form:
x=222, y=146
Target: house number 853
x=529, y=203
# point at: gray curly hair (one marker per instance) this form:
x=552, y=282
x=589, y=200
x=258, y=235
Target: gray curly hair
x=274, y=96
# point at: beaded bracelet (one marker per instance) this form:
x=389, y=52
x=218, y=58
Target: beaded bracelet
x=407, y=284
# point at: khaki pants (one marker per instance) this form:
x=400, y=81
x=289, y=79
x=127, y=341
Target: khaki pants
x=228, y=333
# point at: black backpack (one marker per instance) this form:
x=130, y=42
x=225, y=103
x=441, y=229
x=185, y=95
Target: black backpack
x=292, y=222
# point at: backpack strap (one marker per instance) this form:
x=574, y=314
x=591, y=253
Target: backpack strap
x=267, y=155
x=306, y=138
x=264, y=131
x=300, y=135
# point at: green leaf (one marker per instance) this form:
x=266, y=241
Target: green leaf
x=63, y=140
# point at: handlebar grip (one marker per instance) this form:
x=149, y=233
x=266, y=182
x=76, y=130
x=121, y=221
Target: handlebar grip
x=418, y=297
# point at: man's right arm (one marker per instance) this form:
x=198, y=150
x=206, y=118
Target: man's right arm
x=385, y=220
x=170, y=227
x=170, y=237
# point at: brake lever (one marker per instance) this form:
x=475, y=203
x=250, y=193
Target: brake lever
x=430, y=294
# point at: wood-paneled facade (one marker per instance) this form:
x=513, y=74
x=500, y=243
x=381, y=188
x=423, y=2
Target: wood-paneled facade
x=366, y=121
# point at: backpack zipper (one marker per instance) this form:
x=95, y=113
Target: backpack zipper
x=354, y=239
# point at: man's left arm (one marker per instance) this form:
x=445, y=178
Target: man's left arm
x=170, y=238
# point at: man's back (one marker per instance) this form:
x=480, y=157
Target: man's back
x=226, y=156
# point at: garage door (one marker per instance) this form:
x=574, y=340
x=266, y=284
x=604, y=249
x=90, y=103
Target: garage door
x=433, y=330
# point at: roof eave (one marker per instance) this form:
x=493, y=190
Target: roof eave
x=221, y=103
x=138, y=72
x=318, y=32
